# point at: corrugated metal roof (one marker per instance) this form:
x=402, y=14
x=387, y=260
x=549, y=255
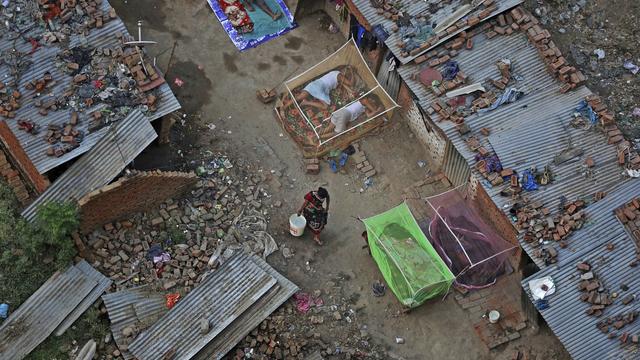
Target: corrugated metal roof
x=44, y=60
x=252, y=317
x=122, y=142
x=138, y=308
x=531, y=131
x=566, y=313
x=42, y=312
x=415, y=8
x=103, y=284
x=221, y=298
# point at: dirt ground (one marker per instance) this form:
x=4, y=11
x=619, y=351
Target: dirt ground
x=219, y=91
x=581, y=27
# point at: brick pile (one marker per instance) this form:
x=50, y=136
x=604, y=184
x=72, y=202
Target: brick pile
x=9, y=100
x=312, y=166
x=13, y=179
x=518, y=19
x=540, y=226
x=629, y=215
x=196, y=231
x=483, y=11
x=67, y=16
x=616, y=323
x=627, y=156
x=593, y=291
x=362, y=164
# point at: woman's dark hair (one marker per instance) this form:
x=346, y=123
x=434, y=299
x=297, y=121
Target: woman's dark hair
x=322, y=193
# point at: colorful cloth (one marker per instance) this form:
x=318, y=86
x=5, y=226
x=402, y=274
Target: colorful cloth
x=314, y=213
x=237, y=15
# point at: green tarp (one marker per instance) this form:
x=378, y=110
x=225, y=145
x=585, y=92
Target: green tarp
x=409, y=264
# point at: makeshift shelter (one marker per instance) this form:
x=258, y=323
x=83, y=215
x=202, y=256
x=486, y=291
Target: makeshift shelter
x=411, y=267
x=310, y=126
x=470, y=247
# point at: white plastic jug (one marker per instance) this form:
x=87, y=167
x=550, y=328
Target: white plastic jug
x=297, y=225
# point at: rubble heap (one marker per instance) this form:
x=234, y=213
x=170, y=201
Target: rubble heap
x=593, y=291
x=174, y=244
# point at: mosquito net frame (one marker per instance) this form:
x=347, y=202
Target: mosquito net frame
x=470, y=247
x=347, y=55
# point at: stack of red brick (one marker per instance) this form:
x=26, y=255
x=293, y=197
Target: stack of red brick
x=362, y=164
x=13, y=178
x=593, y=291
x=627, y=156
x=9, y=100
x=519, y=19
x=629, y=215
x=66, y=9
x=143, y=71
x=618, y=322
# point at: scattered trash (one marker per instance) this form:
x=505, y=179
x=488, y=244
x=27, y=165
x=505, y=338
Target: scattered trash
x=305, y=301
x=211, y=126
x=422, y=163
x=636, y=111
x=528, y=181
x=494, y=316
x=4, y=310
x=368, y=182
x=450, y=70
x=631, y=67
x=399, y=340
x=541, y=288
x=179, y=82
x=585, y=110
x=378, y=289
x=542, y=304
x=162, y=258
x=599, y=53
x=172, y=299
x=510, y=95
x=287, y=253
x=343, y=159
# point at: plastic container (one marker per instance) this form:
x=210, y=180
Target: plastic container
x=297, y=225
x=494, y=316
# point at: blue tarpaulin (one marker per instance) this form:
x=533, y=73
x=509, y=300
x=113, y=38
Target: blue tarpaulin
x=264, y=27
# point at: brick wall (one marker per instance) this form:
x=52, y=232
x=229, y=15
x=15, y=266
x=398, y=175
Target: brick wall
x=495, y=217
x=131, y=194
x=16, y=168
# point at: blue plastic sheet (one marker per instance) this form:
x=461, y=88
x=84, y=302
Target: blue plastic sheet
x=510, y=95
x=450, y=70
x=4, y=311
x=585, y=110
x=528, y=181
x=265, y=28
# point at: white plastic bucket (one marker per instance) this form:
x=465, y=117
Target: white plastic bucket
x=494, y=316
x=297, y=225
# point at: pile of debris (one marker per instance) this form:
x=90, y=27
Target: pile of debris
x=67, y=17
x=617, y=323
x=540, y=227
x=175, y=243
x=593, y=291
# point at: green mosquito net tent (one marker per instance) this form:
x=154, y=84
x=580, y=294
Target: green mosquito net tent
x=411, y=267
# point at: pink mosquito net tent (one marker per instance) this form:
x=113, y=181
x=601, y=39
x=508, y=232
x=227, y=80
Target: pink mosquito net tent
x=474, y=252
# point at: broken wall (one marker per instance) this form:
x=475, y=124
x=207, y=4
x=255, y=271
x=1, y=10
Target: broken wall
x=16, y=168
x=131, y=194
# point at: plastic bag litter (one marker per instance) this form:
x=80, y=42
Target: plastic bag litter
x=304, y=301
x=172, y=299
x=599, y=53
x=251, y=230
x=636, y=111
x=537, y=287
x=510, y=95
x=450, y=70
x=528, y=181
x=586, y=111
x=631, y=67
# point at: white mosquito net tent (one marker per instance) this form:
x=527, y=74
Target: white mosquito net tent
x=474, y=252
x=308, y=108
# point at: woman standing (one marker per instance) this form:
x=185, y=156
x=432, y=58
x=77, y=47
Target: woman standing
x=314, y=212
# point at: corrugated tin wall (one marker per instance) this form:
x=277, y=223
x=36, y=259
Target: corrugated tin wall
x=455, y=166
